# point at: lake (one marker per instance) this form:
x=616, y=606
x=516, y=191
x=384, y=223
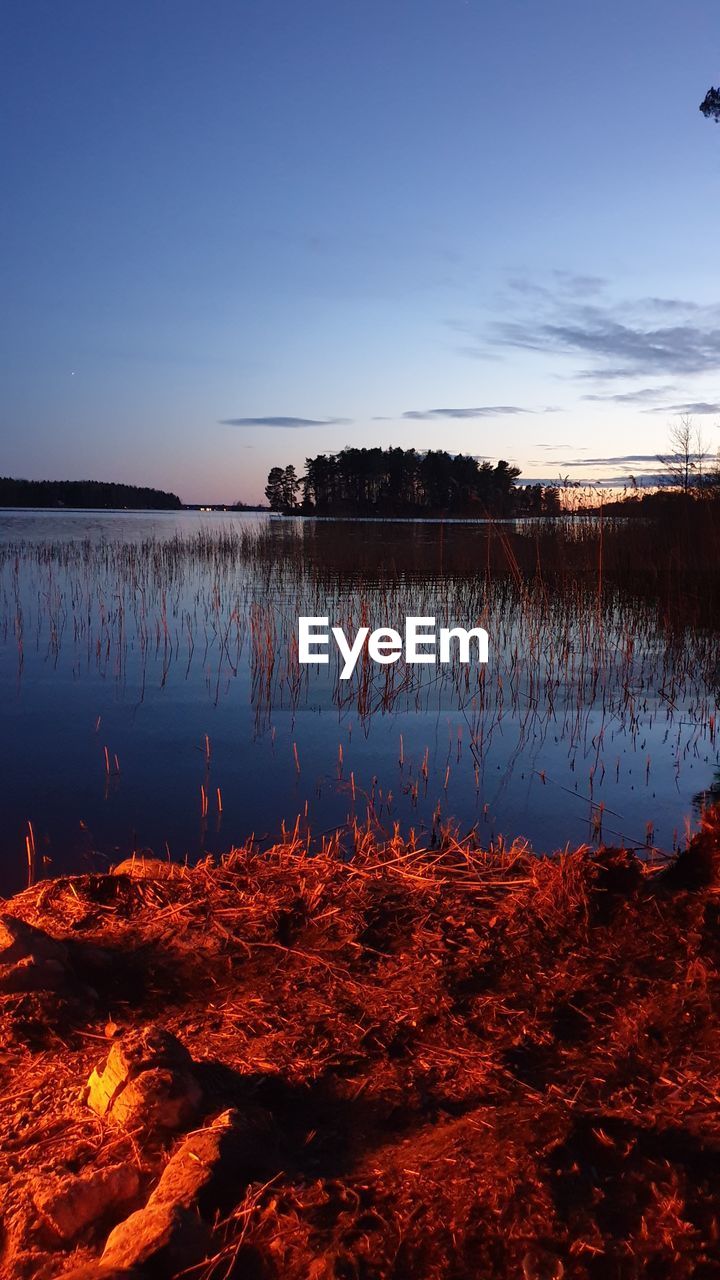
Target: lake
x=152, y=697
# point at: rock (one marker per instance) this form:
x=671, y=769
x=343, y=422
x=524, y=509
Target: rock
x=30, y=960
x=170, y=1229
x=161, y=1237
x=141, y=868
x=157, y=1099
x=210, y=1163
x=147, y=1081
x=169, y=1233
x=191, y=1171
x=72, y=1203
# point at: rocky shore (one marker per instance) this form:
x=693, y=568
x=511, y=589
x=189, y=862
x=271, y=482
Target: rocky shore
x=409, y=1063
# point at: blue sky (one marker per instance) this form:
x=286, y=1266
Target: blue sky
x=226, y=222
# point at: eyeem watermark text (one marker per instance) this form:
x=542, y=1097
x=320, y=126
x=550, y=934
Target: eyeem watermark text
x=421, y=643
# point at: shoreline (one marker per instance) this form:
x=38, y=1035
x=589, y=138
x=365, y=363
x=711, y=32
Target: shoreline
x=415, y=1064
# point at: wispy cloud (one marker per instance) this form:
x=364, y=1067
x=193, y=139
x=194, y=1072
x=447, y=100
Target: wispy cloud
x=671, y=304
x=642, y=396
x=619, y=349
x=567, y=315
x=483, y=411
x=699, y=407
x=618, y=480
x=639, y=466
x=553, y=447
x=624, y=459
x=578, y=284
x=568, y=283
x=295, y=424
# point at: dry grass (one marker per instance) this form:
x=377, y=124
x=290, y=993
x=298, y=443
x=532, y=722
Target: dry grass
x=472, y=1064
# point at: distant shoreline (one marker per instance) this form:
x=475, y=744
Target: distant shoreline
x=348, y=517
x=85, y=494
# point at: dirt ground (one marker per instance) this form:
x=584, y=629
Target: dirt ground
x=440, y=1063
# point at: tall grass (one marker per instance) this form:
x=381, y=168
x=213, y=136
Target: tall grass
x=597, y=626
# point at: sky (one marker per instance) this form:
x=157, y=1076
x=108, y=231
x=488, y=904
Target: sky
x=239, y=233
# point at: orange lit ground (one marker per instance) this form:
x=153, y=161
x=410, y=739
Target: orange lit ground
x=471, y=1066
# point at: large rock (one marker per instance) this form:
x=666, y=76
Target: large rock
x=214, y=1165
x=70, y=1204
x=170, y=1227
x=199, y=1164
x=30, y=960
x=147, y=1081
x=162, y=1238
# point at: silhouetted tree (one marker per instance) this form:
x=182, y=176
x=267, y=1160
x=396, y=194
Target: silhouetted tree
x=398, y=481
x=289, y=487
x=551, y=504
x=710, y=105
x=319, y=482
x=503, y=479
x=282, y=488
x=686, y=463
x=274, y=488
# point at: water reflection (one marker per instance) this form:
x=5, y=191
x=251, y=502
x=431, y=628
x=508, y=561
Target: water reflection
x=153, y=695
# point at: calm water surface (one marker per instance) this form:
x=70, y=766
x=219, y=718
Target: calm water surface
x=152, y=698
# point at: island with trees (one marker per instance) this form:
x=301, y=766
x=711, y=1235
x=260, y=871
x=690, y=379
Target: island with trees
x=406, y=482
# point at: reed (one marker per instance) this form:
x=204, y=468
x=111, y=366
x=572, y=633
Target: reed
x=602, y=630
x=453, y=1059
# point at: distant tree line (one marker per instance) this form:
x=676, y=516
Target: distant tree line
x=398, y=481
x=95, y=494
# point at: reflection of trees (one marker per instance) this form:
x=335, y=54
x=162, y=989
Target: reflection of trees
x=568, y=666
